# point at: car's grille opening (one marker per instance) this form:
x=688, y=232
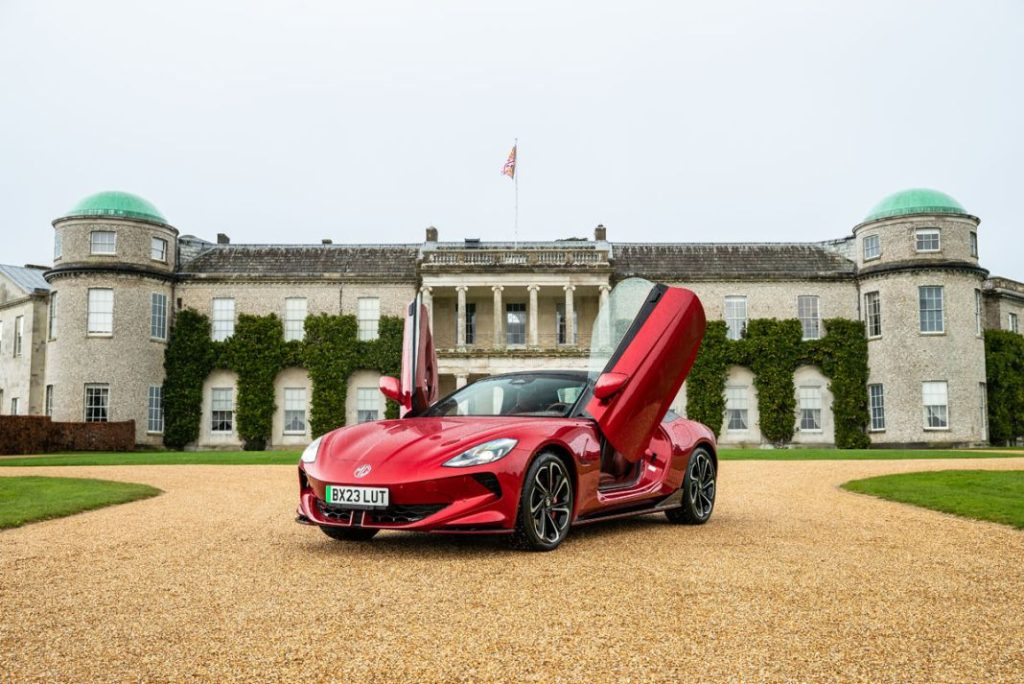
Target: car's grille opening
x=400, y=514
x=489, y=480
x=334, y=514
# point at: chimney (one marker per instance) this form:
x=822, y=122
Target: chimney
x=431, y=234
x=327, y=241
x=223, y=239
x=600, y=233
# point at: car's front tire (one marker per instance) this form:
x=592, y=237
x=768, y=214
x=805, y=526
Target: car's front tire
x=545, y=505
x=349, y=533
x=699, y=487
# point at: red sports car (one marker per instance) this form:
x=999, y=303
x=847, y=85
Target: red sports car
x=528, y=454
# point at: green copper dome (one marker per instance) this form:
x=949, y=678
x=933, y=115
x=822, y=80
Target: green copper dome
x=915, y=201
x=113, y=203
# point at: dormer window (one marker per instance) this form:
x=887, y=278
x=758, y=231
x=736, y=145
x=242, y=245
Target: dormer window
x=927, y=240
x=103, y=242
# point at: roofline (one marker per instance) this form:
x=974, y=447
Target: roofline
x=933, y=214
x=114, y=217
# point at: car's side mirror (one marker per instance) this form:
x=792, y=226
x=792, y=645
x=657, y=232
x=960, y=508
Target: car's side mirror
x=608, y=384
x=391, y=388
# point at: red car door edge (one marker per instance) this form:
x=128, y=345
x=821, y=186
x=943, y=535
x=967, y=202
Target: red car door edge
x=419, y=378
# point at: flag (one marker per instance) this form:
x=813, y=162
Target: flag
x=509, y=169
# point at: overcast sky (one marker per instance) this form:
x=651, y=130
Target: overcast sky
x=366, y=122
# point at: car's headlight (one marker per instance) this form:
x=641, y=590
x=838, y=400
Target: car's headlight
x=309, y=453
x=488, y=452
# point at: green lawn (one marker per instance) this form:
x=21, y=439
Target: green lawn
x=158, y=458
x=851, y=454
x=28, y=499
x=997, y=496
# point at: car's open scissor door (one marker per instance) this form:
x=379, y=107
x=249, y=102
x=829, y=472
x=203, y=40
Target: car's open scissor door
x=419, y=360
x=644, y=342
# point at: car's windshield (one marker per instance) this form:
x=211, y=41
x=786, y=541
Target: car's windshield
x=524, y=394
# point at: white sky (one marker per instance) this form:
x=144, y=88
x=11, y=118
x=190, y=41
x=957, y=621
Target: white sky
x=366, y=122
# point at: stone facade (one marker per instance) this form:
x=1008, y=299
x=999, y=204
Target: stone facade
x=500, y=307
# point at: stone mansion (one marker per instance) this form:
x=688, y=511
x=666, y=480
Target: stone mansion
x=84, y=339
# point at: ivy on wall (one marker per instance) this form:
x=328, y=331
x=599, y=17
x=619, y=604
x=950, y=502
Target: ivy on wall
x=773, y=350
x=1004, y=364
x=257, y=352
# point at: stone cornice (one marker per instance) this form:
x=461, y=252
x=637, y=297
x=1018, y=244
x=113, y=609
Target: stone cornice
x=921, y=265
x=116, y=268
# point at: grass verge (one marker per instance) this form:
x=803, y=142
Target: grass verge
x=996, y=496
x=158, y=458
x=28, y=499
x=852, y=454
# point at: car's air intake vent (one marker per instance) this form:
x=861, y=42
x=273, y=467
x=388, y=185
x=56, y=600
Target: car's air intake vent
x=339, y=515
x=400, y=514
x=489, y=480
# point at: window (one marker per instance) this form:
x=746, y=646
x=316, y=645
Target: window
x=1013, y=322
x=52, y=321
x=103, y=242
x=515, y=328
x=367, y=404
x=930, y=298
x=158, y=249
x=294, y=318
x=222, y=409
x=97, y=403
x=872, y=247
x=19, y=334
x=100, y=314
x=974, y=244
x=470, y=323
x=223, y=318
x=809, y=313
x=295, y=410
x=876, y=405
x=810, y=408
x=736, y=408
x=14, y=406
x=977, y=312
x=927, y=240
x=560, y=322
x=936, y=405
x=368, y=309
x=983, y=409
x=873, y=314
x=1, y=337
x=155, y=410
x=58, y=246
x=736, y=316
x=158, y=316
x=48, y=406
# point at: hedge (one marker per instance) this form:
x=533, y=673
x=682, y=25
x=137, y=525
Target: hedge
x=257, y=352
x=773, y=350
x=1004, y=363
x=40, y=435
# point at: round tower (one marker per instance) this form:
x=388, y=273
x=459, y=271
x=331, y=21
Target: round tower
x=920, y=298
x=112, y=296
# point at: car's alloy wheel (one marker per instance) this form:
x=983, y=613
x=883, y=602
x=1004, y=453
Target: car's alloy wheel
x=545, y=507
x=699, y=488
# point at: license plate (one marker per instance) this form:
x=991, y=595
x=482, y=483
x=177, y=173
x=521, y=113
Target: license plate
x=357, y=497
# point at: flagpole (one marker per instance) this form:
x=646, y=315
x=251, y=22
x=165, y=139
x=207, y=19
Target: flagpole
x=516, y=179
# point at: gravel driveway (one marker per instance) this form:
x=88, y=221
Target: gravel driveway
x=793, y=579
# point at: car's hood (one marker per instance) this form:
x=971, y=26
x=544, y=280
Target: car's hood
x=412, y=442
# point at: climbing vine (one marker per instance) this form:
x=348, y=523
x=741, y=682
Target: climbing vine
x=257, y=352
x=1004, y=364
x=773, y=350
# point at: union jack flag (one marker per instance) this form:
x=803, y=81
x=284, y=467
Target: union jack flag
x=509, y=169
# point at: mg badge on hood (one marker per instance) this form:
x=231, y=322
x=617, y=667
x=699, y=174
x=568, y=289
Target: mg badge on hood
x=363, y=470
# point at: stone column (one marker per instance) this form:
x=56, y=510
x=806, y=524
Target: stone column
x=460, y=317
x=428, y=301
x=499, y=315
x=534, y=314
x=461, y=380
x=570, y=316
x=604, y=334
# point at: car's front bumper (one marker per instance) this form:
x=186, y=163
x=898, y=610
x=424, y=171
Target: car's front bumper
x=477, y=502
